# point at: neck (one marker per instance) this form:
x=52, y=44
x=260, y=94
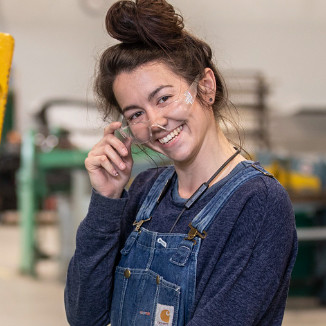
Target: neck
x=211, y=156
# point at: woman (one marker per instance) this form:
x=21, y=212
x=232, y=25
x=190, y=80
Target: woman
x=209, y=240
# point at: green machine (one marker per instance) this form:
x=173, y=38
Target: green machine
x=32, y=188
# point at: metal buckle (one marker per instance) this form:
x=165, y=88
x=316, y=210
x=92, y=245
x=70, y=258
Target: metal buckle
x=193, y=232
x=140, y=223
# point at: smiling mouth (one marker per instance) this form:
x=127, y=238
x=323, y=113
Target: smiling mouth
x=171, y=135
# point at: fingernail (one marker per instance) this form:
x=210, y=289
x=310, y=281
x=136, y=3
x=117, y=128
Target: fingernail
x=115, y=173
x=122, y=165
x=124, y=151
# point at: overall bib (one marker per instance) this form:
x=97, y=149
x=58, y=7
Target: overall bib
x=155, y=279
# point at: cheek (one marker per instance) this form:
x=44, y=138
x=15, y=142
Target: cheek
x=153, y=147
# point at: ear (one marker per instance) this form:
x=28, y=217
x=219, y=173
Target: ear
x=208, y=86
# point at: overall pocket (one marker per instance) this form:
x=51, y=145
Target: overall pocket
x=142, y=297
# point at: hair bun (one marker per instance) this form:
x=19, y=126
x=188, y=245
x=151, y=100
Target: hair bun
x=154, y=23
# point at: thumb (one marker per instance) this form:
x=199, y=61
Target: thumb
x=128, y=143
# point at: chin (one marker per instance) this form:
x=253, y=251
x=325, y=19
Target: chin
x=179, y=157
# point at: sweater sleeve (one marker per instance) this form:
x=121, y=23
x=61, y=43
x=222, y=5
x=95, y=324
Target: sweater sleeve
x=248, y=280
x=99, y=238
x=89, y=279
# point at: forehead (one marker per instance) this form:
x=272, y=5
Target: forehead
x=144, y=79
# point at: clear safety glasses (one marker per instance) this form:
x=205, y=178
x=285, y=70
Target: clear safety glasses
x=137, y=126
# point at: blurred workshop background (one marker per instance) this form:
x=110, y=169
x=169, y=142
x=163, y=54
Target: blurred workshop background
x=272, y=54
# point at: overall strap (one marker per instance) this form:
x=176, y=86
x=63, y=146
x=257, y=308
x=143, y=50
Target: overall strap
x=154, y=193
x=205, y=217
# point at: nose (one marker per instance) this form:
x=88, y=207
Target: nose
x=157, y=119
x=157, y=127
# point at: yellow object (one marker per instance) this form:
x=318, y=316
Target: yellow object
x=6, y=52
x=293, y=180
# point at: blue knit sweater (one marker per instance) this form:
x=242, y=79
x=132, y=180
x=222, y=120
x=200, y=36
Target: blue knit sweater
x=242, y=277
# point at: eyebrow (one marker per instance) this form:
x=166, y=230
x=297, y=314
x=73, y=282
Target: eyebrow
x=152, y=94
x=149, y=98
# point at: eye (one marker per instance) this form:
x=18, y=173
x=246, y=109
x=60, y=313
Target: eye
x=165, y=100
x=136, y=116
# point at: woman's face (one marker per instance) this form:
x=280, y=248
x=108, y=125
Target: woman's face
x=178, y=129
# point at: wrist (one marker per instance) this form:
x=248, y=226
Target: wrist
x=109, y=194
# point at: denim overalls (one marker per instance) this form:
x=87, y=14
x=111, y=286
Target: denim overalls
x=155, y=279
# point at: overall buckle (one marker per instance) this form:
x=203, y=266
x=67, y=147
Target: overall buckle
x=140, y=223
x=193, y=232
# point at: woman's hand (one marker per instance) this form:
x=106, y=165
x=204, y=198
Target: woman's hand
x=109, y=163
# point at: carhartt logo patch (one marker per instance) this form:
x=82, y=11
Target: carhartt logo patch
x=164, y=315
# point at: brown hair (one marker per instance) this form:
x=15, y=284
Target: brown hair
x=151, y=30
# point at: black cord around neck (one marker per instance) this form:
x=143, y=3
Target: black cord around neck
x=200, y=191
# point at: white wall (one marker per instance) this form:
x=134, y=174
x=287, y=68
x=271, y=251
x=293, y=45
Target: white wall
x=285, y=39
x=57, y=42
x=56, y=46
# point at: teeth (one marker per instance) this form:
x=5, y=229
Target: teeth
x=171, y=135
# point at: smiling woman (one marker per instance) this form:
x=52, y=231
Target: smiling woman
x=209, y=240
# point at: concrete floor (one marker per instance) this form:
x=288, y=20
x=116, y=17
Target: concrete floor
x=39, y=301
x=25, y=300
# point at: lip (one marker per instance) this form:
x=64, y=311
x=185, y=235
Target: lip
x=164, y=141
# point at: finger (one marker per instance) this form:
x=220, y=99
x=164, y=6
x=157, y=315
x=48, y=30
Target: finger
x=123, y=149
x=94, y=163
x=120, y=159
x=112, y=127
x=110, y=153
x=114, y=157
x=128, y=144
